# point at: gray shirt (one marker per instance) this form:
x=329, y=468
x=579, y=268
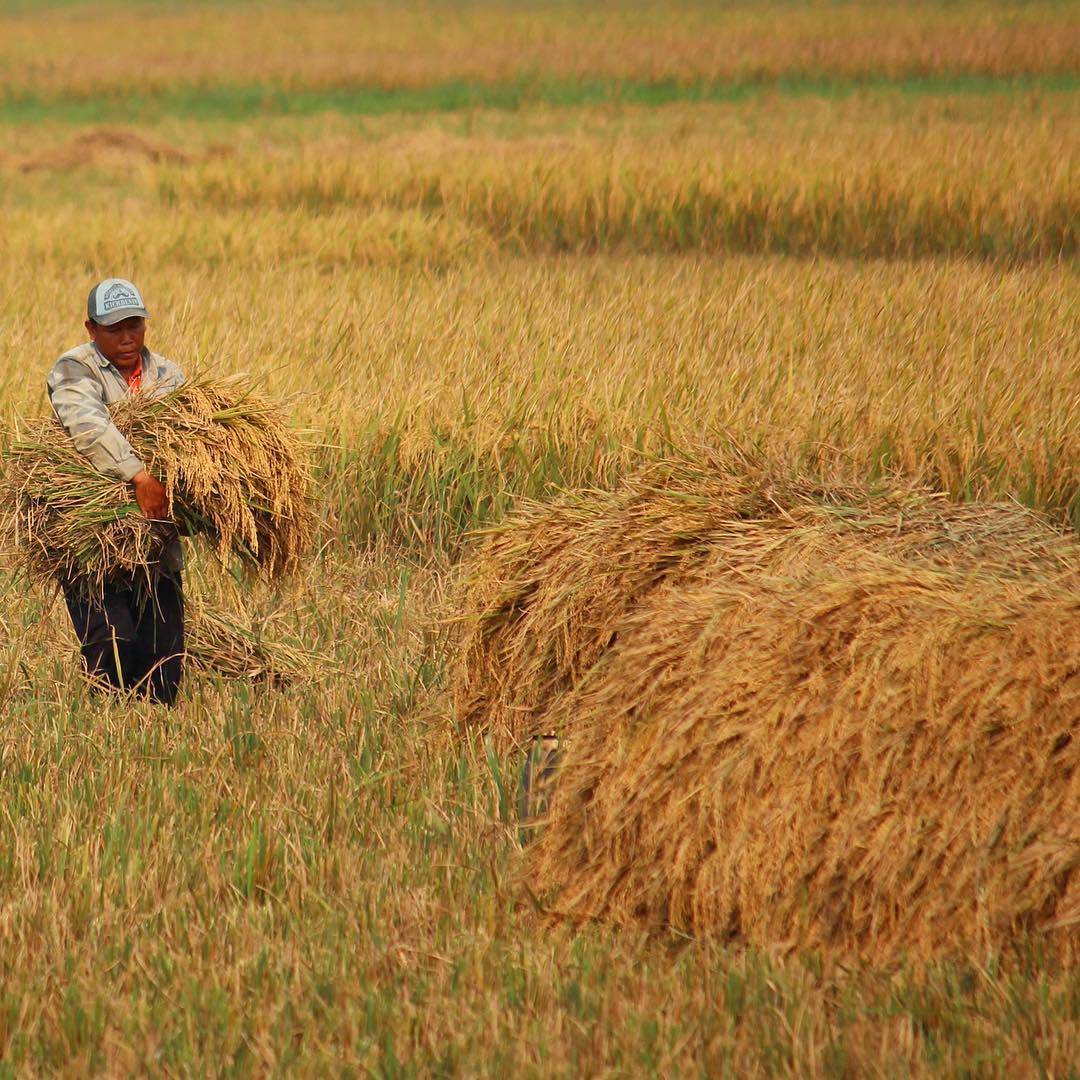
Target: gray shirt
x=82, y=385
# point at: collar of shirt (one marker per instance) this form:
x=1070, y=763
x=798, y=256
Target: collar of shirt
x=134, y=377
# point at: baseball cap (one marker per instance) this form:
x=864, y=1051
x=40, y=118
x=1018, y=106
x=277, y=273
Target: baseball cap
x=114, y=299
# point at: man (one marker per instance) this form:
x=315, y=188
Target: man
x=132, y=635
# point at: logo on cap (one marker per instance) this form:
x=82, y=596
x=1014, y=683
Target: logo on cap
x=119, y=296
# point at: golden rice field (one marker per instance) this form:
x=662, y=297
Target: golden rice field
x=331, y=45
x=493, y=255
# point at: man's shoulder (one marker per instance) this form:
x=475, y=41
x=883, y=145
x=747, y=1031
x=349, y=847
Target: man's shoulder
x=163, y=368
x=84, y=354
x=161, y=361
x=75, y=363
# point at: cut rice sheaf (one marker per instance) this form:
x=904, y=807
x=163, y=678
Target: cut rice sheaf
x=878, y=764
x=226, y=643
x=835, y=717
x=236, y=474
x=553, y=586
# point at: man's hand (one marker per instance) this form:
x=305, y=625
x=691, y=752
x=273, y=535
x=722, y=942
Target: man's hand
x=151, y=496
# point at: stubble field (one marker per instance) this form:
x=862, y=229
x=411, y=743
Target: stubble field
x=492, y=254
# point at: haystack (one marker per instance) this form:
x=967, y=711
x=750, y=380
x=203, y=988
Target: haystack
x=552, y=588
x=235, y=472
x=876, y=763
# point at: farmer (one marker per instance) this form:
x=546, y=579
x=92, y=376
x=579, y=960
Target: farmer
x=132, y=633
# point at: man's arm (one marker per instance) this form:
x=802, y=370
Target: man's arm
x=79, y=406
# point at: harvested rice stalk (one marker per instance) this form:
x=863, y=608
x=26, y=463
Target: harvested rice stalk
x=876, y=764
x=224, y=643
x=553, y=586
x=234, y=470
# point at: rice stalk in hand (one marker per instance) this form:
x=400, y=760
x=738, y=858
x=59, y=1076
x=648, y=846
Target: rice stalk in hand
x=234, y=470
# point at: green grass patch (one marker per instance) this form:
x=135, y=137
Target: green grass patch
x=245, y=102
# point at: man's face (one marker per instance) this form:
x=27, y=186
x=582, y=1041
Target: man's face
x=121, y=343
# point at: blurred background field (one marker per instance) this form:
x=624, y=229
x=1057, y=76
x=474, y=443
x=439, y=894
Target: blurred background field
x=493, y=251
x=353, y=48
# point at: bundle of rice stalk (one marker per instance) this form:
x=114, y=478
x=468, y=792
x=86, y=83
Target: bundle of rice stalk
x=235, y=472
x=225, y=643
x=552, y=587
x=876, y=764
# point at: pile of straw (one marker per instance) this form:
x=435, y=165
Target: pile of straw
x=874, y=763
x=234, y=470
x=224, y=643
x=89, y=147
x=793, y=714
x=553, y=587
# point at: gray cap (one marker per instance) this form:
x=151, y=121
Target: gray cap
x=113, y=300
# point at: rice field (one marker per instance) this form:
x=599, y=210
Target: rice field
x=489, y=255
x=365, y=46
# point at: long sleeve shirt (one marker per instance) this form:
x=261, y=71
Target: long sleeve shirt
x=83, y=384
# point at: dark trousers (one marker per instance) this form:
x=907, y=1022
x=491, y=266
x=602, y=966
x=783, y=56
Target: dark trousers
x=133, y=639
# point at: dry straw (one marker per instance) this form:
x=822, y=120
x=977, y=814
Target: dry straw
x=88, y=148
x=226, y=643
x=553, y=587
x=878, y=763
x=236, y=474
